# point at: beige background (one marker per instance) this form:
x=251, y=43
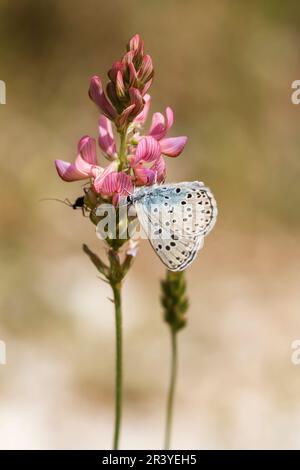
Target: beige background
x=226, y=68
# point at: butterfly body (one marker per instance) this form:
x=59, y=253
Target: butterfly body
x=175, y=218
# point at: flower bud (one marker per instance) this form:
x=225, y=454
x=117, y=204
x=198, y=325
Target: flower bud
x=174, y=299
x=146, y=70
x=117, y=66
x=136, y=45
x=97, y=95
x=120, y=87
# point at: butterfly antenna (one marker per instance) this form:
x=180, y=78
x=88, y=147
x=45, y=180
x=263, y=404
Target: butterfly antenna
x=65, y=201
x=128, y=192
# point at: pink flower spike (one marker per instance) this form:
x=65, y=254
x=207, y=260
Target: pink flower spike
x=68, y=171
x=142, y=117
x=87, y=149
x=148, y=149
x=97, y=95
x=106, y=138
x=173, y=146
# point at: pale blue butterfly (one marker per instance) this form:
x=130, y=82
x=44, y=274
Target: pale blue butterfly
x=176, y=218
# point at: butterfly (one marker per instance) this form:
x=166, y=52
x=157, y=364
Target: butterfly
x=176, y=218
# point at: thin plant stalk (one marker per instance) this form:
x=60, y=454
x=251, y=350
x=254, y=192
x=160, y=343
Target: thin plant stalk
x=175, y=303
x=119, y=372
x=172, y=387
x=116, y=285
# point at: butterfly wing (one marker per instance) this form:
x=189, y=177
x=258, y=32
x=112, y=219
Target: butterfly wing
x=177, y=255
x=175, y=218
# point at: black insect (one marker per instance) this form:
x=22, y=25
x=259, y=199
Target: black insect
x=77, y=204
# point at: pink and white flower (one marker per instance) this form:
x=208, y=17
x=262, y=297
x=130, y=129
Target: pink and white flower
x=126, y=104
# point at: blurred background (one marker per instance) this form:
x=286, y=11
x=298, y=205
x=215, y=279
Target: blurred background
x=226, y=69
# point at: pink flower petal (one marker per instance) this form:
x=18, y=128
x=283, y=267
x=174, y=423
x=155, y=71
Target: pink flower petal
x=112, y=95
x=146, y=70
x=132, y=75
x=98, y=182
x=136, y=106
x=133, y=246
x=68, y=171
x=115, y=184
x=97, y=95
x=123, y=119
x=136, y=44
x=170, y=118
x=141, y=118
x=148, y=149
x=84, y=167
x=146, y=87
x=160, y=125
x=136, y=99
x=173, y=146
x=144, y=176
x=157, y=127
x=120, y=87
x=116, y=199
x=106, y=138
x=128, y=58
x=87, y=149
x=109, y=183
x=159, y=167
x=116, y=67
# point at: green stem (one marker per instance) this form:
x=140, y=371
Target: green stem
x=122, y=151
x=170, y=401
x=116, y=287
